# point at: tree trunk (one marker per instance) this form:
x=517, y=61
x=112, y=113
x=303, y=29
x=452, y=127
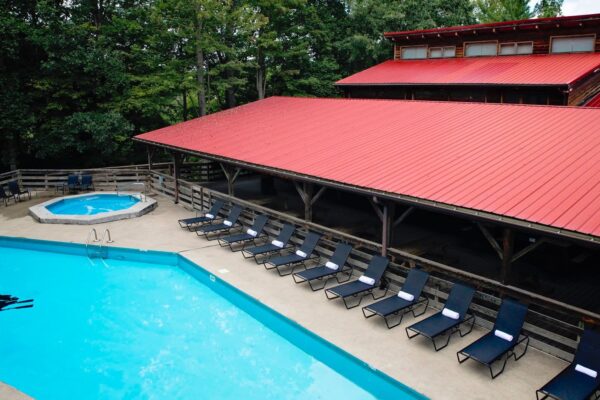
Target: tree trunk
x=200, y=64
x=185, y=113
x=261, y=80
x=12, y=152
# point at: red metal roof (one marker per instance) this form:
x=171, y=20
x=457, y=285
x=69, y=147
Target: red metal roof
x=554, y=69
x=539, y=164
x=535, y=23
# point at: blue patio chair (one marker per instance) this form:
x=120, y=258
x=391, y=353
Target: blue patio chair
x=408, y=299
x=331, y=269
x=87, y=182
x=581, y=379
x=250, y=236
x=17, y=191
x=72, y=184
x=211, y=215
x=264, y=250
x=303, y=254
x=499, y=344
x=364, y=286
x=212, y=231
x=448, y=321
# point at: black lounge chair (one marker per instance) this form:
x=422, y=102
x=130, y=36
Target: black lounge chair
x=300, y=256
x=210, y=231
x=408, y=299
x=577, y=381
x=281, y=242
x=359, y=287
x=331, y=269
x=250, y=236
x=17, y=191
x=502, y=340
x=87, y=182
x=5, y=196
x=211, y=215
x=449, y=320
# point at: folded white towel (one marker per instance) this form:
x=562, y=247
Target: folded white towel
x=252, y=232
x=446, y=312
x=587, y=371
x=209, y=215
x=406, y=296
x=228, y=223
x=301, y=253
x=332, y=266
x=503, y=335
x=277, y=243
x=367, y=280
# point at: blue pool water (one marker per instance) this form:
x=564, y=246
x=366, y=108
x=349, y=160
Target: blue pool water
x=153, y=325
x=92, y=204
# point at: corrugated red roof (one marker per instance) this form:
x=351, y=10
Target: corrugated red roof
x=554, y=69
x=534, y=23
x=594, y=102
x=537, y=164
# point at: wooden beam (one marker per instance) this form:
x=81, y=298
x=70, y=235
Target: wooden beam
x=375, y=204
x=386, y=225
x=318, y=195
x=231, y=174
x=403, y=216
x=508, y=243
x=150, y=150
x=528, y=249
x=306, y=192
x=491, y=239
x=177, y=158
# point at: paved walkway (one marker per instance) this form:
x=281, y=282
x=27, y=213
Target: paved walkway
x=435, y=374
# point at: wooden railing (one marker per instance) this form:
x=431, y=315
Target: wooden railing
x=554, y=327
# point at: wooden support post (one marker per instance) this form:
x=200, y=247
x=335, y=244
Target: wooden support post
x=309, y=198
x=231, y=175
x=177, y=158
x=508, y=241
x=150, y=150
x=385, y=212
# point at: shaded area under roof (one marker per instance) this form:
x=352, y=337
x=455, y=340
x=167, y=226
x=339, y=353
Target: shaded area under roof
x=535, y=164
x=552, y=69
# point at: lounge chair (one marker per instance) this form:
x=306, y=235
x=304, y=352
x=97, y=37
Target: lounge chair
x=87, y=182
x=408, y=299
x=331, y=269
x=581, y=379
x=229, y=223
x=4, y=196
x=250, y=236
x=281, y=242
x=72, y=184
x=17, y=191
x=303, y=254
x=502, y=340
x=211, y=215
x=449, y=320
x=363, y=286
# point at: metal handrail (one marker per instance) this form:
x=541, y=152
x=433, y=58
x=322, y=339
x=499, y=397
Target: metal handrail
x=104, y=235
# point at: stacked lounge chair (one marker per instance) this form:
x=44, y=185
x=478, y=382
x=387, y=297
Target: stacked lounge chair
x=212, y=231
x=211, y=215
x=303, y=254
x=581, y=379
x=333, y=268
x=17, y=191
x=265, y=250
x=449, y=320
x=501, y=342
x=5, y=196
x=250, y=236
x=407, y=299
x=363, y=286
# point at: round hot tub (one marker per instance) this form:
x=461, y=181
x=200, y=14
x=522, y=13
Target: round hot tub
x=92, y=208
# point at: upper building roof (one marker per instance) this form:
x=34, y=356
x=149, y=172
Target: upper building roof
x=531, y=166
x=547, y=69
x=518, y=25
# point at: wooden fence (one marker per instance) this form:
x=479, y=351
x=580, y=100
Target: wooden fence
x=554, y=327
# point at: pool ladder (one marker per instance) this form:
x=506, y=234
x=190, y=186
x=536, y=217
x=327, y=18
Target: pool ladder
x=102, y=250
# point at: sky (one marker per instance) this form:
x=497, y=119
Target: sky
x=578, y=7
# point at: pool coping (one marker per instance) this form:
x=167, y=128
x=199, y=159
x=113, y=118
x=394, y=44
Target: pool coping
x=208, y=279
x=40, y=212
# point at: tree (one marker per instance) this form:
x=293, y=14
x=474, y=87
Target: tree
x=502, y=10
x=548, y=8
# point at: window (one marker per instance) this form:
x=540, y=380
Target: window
x=516, y=48
x=414, y=52
x=479, y=49
x=572, y=44
x=442, y=52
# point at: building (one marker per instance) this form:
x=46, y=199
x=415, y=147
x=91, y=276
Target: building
x=552, y=61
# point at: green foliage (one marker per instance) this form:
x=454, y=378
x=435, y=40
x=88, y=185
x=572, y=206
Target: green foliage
x=548, y=8
x=509, y=10
x=80, y=77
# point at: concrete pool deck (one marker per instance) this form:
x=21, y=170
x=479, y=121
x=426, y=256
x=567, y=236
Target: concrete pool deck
x=414, y=363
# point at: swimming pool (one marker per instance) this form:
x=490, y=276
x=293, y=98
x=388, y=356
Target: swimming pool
x=153, y=325
x=92, y=204
x=92, y=208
